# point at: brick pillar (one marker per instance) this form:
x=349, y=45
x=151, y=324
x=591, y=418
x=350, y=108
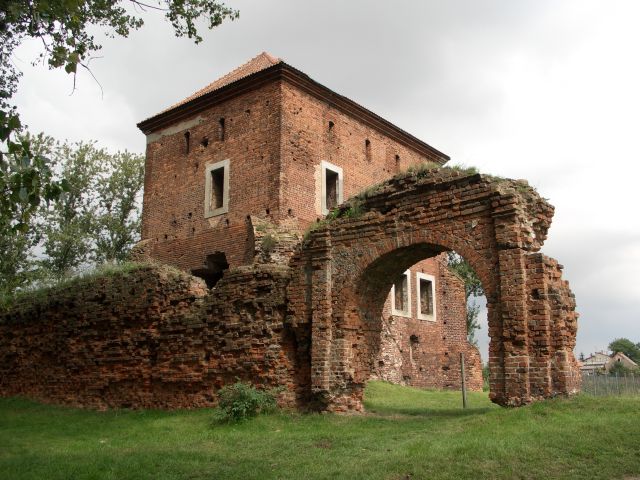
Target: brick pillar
x=321, y=322
x=513, y=299
x=539, y=323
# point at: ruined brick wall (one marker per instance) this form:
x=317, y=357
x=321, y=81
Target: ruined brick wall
x=154, y=339
x=347, y=266
x=425, y=353
x=174, y=193
x=308, y=139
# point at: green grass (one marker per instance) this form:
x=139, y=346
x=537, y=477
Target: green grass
x=406, y=433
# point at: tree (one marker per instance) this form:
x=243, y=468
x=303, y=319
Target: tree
x=472, y=288
x=66, y=29
x=98, y=219
x=17, y=233
x=67, y=224
x=626, y=346
x=117, y=221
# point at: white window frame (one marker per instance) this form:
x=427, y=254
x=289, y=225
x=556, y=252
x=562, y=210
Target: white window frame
x=432, y=279
x=402, y=313
x=208, y=189
x=324, y=166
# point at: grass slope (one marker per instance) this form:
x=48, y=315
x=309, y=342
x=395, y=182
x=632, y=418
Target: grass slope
x=406, y=433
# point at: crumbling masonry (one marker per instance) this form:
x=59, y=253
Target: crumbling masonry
x=239, y=180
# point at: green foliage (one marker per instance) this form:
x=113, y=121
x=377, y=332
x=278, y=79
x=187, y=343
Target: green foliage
x=65, y=30
x=472, y=283
x=268, y=243
x=472, y=288
x=116, y=224
x=37, y=292
x=626, y=346
x=618, y=369
x=95, y=219
x=98, y=219
x=241, y=401
x=423, y=168
x=485, y=377
x=473, y=310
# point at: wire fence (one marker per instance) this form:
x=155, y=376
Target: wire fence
x=606, y=385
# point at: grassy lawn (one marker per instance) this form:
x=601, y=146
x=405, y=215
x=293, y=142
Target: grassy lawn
x=406, y=434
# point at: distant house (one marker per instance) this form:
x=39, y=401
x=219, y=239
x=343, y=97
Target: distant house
x=602, y=362
x=620, y=357
x=595, y=363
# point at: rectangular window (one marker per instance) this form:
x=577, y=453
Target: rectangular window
x=426, y=297
x=331, y=192
x=401, y=296
x=216, y=189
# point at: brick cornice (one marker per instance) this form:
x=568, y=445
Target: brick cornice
x=293, y=76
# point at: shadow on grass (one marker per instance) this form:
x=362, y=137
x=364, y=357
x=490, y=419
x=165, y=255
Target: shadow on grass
x=427, y=412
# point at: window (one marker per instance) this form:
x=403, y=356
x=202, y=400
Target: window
x=216, y=191
x=331, y=195
x=426, y=297
x=367, y=149
x=400, y=295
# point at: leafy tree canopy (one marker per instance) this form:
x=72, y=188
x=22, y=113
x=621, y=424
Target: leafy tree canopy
x=472, y=287
x=626, y=346
x=65, y=30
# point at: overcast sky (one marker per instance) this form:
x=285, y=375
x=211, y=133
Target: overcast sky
x=543, y=90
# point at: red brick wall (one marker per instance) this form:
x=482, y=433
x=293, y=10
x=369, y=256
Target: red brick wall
x=307, y=140
x=153, y=338
x=275, y=138
x=173, y=211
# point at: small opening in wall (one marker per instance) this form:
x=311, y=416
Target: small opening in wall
x=205, y=142
x=332, y=185
x=367, y=149
x=414, y=339
x=221, y=130
x=166, y=236
x=217, y=188
x=267, y=210
x=190, y=214
x=226, y=222
x=331, y=124
x=213, y=270
x=247, y=111
x=397, y=158
x=187, y=142
x=290, y=212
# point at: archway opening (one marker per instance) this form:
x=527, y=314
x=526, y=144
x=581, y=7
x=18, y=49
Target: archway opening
x=406, y=321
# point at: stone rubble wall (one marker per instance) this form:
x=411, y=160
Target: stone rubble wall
x=152, y=338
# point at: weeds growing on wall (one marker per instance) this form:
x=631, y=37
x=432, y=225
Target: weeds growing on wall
x=107, y=270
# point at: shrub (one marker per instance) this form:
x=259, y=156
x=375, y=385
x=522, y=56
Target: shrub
x=240, y=401
x=268, y=244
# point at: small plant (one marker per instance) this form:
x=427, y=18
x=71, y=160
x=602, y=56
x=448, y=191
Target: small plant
x=240, y=401
x=268, y=244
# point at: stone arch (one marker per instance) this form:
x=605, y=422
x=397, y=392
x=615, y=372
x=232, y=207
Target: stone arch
x=346, y=268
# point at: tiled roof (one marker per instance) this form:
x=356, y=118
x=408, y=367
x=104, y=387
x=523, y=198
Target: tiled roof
x=256, y=64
